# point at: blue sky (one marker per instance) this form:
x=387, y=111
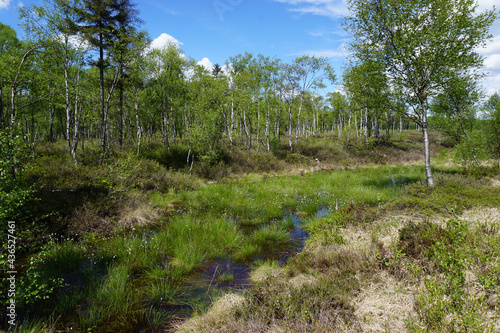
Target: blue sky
x=211, y=31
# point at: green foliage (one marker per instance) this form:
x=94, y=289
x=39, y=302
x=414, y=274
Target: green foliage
x=454, y=111
x=150, y=176
x=457, y=261
x=493, y=132
x=473, y=150
x=14, y=192
x=59, y=278
x=416, y=239
x=326, y=231
x=243, y=219
x=17, y=198
x=36, y=285
x=9, y=47
x=444, y=302
x=453, y=193
x=172, y=157
x=420, y=45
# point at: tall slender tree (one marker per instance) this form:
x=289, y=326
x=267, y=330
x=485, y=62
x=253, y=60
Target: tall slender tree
x=127, y=37
x=310, y=73
x=104, y=23
x=419, y=42
x=9, y=44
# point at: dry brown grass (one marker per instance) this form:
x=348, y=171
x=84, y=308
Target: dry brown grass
x=385, y=304
x=105, y=217
x=495, y=182
x=87, y=220
x=137, y=211
x=485, y=215
x=265, y=272
x=218, y=317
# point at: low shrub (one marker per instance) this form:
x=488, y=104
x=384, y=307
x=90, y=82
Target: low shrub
x=416, y=239
x=452, y=193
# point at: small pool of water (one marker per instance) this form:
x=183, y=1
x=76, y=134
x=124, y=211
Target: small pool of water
x=226, y=275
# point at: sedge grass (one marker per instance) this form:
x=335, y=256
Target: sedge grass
x=267, y=198
x=225, y=277
x=114, y=297
x=270, y=236
x=194, y=240
x=38, y=326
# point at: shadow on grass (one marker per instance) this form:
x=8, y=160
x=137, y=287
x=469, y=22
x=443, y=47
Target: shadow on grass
x=54, y=207
x=388, y=182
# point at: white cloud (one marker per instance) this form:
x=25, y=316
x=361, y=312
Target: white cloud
x=163, y=42
x=76, y=42
x=492, y=62
x=486, y=4
x=206, y=63
x=227, y=69
x=4, y=4
x=492, y=47
x=491, y=53
x=492, y=84
x=166, y=9
x=326, y=33
x=329, y=8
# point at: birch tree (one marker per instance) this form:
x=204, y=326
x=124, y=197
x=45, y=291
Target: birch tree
x=310, y=73
x=419, y=42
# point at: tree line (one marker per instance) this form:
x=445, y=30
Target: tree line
x=86, y=71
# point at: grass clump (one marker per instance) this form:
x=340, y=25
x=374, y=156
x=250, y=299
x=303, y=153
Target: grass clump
x=302, y=305
x=38, y=326
x=278, y=303
x=270, y=237
x=225, y=277
x=416, y=239
x=329, y=230
x=247, y=251
x=162, y=290
x=113, y=298
x=194, y=240
x=266, y=239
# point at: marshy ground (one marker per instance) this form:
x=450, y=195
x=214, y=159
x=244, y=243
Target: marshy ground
x=326, y=239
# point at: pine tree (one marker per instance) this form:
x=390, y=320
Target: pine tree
x=106, y=25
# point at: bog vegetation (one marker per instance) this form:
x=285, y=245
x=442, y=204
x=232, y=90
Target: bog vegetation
x=150, y=194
